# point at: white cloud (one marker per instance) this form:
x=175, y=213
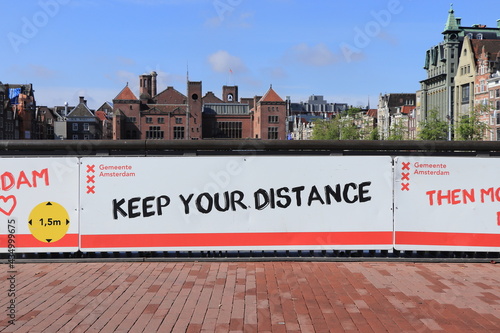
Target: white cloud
x=223, y=62
x=317, y=55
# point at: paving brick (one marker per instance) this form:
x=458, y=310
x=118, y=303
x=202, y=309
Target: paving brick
x=255, y=297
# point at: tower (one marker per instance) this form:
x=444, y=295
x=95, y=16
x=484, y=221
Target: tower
x=194, y=109
x=230, y=94
x=146, y=86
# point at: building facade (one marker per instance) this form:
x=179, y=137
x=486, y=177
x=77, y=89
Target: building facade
x=393, y=107
x=441, y=65
x=17, y=112
x=171, y=115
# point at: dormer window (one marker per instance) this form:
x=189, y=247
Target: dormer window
x=479, y=36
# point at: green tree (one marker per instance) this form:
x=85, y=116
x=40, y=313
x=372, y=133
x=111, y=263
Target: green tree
x=470, y=127
x=397, y=131
x=433, y=128
x=326, y=129
x=349, y=130
x=374, y=135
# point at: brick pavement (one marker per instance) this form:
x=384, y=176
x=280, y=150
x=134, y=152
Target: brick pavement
x=253, y=297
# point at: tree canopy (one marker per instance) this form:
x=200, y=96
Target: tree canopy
x=434, y=128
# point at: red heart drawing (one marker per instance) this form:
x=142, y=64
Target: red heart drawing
x=4, y=207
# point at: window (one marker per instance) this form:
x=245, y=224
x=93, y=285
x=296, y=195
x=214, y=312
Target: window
x=75, y=136
x=86, y=137
x=272, y=133
x=154, y=132
x=479, y=36
x=75, y=127
x=465, y=93
x=497, y=93
x=161, y=120
x=178, y=132
x=1, y=122
x=86, y=126
x=497, y=106
x=130, y=107
x=50, y=132
x=149, y=120
x=131, y=119
x=229, y=129
x=9, y=115
x=498, y=134
x=49, y=121
x=178, y=120
x=482, y=86
x=273, y=119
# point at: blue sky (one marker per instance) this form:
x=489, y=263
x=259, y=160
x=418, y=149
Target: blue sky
x=348, y=51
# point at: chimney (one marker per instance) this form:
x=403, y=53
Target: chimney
x=459, y=21
x=82, y=100
x=153, y=84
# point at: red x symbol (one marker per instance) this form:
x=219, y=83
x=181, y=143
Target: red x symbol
x=90, y=179
x=406, y=166
x=405, y=186
x=405, y=176
x=90, y=168
x=90, y=189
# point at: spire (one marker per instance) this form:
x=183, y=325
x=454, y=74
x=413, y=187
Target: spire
x=451, y=23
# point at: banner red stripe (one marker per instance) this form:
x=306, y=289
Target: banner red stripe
x=447, y=239
x=237, y=239
x=27, y=240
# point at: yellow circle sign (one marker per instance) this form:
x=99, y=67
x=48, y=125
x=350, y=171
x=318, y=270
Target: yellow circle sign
x=48, y=222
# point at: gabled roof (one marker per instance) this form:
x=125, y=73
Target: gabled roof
x=81, y=110
x=126, y=94
x=372, y=113
x=271, y=96
x=106, y=105
x=101, y=115
x=491, y=46
x=211, y=98
x=406, y=109
x=170, y=96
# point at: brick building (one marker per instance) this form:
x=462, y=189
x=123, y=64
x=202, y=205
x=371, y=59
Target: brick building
x=270, y=117
x=494, y=99
x=17, y=111
x=171, y=115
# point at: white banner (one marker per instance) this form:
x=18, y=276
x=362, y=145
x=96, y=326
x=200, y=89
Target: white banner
x=232, y=203
x=39, y=204
x=447, y=203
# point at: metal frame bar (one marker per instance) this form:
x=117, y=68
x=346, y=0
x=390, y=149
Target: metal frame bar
x=91, y=147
